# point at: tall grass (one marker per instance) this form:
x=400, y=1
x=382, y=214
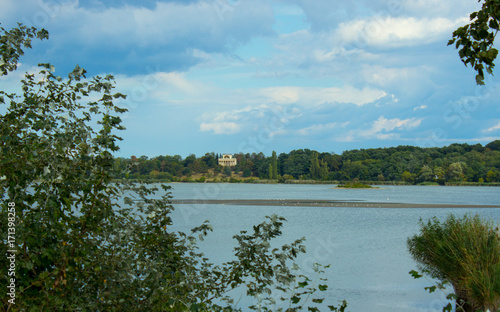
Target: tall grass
x=464, y=252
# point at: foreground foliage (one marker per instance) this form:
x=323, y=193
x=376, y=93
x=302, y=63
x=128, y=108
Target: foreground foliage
x=85, y=243
x=464, y=253
x=475, y=41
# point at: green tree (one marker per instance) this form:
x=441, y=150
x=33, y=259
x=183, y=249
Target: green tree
x=297, y=163
x=247, y=173
x=407, y=177
x=426, y=174
x=209, y=159
x=274, y=163
x=13, y=43
x=324, y=171
x=455, y=172
x=314, y=168
x=492, y=176
x=438, y=173
x=475, y=40
x=494, y=145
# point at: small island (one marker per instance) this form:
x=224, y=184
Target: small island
x=355, y=185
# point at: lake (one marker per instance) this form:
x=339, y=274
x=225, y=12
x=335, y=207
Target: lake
x=366, y=247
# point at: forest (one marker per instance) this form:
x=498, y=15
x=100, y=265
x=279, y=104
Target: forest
x=456, y=163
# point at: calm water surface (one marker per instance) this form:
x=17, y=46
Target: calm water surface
x=365, y=246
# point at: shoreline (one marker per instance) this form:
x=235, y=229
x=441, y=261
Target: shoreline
x=318, y=203
x=313, y=182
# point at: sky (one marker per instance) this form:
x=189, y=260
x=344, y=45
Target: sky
x=232, y=76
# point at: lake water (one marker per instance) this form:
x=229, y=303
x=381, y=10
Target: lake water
x=366, y=247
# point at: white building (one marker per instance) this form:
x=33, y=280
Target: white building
x=227, y=160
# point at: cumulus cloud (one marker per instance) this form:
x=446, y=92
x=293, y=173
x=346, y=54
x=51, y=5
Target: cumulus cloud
x=390, y=32
x=323, y=16
x=128, y=37
x=251, y=119
x=382, y=127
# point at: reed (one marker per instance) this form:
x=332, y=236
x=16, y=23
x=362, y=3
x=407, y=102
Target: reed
x=464, y=252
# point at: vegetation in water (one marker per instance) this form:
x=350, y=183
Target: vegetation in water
x=354, y=184
x=463, y=253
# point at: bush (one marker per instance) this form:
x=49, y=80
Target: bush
x=466, y=254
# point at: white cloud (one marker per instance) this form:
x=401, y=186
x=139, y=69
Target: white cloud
x=274, y=119
x=220, y=127
x=323, y=16
x=322, y=55
x=389, y=32
x=422, y=107
x=283, y=95
x=382, y=126
x=161, y=88
x=494, y=128
x=317, y=96
x=315, y=129
x=387, y=76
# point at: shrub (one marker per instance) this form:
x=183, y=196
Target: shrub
x=466, y=254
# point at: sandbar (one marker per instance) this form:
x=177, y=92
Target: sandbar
x=319, y=203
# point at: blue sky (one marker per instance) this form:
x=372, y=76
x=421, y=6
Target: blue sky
x=247, y=76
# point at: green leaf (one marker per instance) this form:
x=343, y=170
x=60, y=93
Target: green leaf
x=415, y=274
x=322, y=287
x=295, y=299
x=431, y=289
x=448, y=308
x=480, y=79
x=28, y=265
x=44, y=275
x=303, y=284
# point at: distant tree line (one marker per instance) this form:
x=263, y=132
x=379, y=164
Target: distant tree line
x=410, y=164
